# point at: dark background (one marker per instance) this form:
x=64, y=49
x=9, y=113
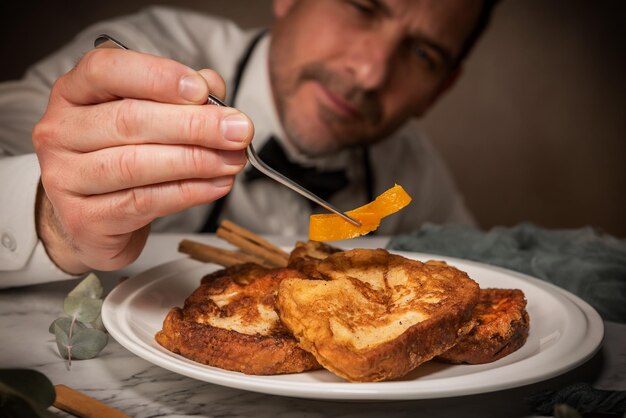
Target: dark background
x=535, y=130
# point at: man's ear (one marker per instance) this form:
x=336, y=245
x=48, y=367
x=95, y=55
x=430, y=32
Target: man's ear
x=281, y=7
x=445, y=85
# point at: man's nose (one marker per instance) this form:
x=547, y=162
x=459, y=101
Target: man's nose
x=370, y=59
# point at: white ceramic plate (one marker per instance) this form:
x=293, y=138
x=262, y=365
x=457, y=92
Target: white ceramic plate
x=564, y=332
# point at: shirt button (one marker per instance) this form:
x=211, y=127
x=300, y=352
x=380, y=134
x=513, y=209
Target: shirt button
x=8, y=242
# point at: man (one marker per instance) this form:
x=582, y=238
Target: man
x=126, y=142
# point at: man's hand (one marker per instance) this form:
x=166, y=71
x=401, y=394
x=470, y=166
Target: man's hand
x=127, y=138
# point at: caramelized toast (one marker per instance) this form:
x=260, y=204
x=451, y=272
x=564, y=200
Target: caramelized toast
x=230, y=322
x=306, y=256
x=377, y=316
x=502, y=325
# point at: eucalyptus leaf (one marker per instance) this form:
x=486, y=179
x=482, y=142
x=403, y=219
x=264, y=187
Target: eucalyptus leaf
x=62, y=339
x=83, y=305
x=64, y=322
x=90, y=287
x=87, y=343
x=84, y=309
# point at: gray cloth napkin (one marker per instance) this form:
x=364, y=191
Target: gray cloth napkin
x=584, y=261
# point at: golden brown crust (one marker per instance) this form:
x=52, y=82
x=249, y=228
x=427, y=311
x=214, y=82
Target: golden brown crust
x=502, y=326
x=378, y=315
x=230, y=321
x=230, y=350
x=306, y=256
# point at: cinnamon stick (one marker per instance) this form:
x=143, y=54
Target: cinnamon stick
x=83, y=406
x=251, y=243
x=211, y=254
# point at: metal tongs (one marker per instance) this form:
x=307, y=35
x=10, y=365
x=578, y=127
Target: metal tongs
x=106, y=41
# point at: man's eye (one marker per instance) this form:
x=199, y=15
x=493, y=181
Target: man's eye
x=424, y=55
x=362, y=6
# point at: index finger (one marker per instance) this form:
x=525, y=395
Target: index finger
x=108, y=74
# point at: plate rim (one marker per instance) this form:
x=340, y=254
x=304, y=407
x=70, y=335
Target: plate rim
x=338, y=390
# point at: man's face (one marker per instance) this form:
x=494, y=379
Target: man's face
x=350, y=72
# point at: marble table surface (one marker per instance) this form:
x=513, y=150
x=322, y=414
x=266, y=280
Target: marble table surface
x=140, y=389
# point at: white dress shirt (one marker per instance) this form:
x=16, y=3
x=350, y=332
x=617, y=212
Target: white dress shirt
x=264, y=206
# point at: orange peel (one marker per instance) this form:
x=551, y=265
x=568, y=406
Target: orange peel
x=332, y=227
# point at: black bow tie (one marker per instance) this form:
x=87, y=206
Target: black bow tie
x=322, y=183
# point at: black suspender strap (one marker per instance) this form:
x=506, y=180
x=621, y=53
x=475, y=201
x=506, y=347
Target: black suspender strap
x=241, y=66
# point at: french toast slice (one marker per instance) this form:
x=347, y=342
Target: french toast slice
x=306, y=256
x=230, y=322
x=502, y=326
x=377, y=315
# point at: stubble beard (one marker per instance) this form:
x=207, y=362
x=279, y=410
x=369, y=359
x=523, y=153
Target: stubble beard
x=337, y=131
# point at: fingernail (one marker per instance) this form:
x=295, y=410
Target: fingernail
x=235, y=127
x=225, y=181
x=233, y=157
x=193, y=88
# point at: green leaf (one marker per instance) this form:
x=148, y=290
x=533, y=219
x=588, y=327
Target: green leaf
x=64, y=322
x=90, y=287
x=84, y=309
x=83, y=305
x=62, y=332
x=87, y=343
x=62, y=337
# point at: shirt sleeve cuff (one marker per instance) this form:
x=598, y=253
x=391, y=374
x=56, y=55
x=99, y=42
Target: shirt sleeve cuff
x=38, y=269
x=23, y=258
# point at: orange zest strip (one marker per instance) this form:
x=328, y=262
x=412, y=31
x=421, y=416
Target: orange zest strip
x=331, y=227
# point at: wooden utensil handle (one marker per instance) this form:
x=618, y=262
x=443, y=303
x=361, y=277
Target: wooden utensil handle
x=83, y=406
